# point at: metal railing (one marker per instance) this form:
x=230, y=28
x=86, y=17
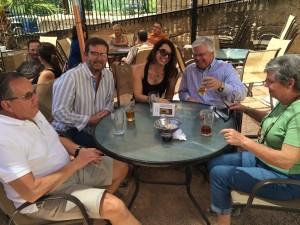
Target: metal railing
x=99, y=13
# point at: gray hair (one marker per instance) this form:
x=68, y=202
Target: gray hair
x=285, y=68
x=204, y=40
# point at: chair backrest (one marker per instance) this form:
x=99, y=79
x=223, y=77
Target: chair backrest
x=63, y=49
x=51, y=40
x=256, y=62
x=65, y=46
x=11, y=60
x=123, y=75
x=278, y=43
x=288, y=25
x=131, y=39
x=141, y=55
x=44, y=92
x=180, y=59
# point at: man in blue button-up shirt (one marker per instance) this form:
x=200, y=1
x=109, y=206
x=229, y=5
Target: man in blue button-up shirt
x=209, y=80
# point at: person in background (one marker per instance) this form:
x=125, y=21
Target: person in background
x=156, y=34
x=48, y=57
x=35, y=161
x=32, y=67
x=32, y=47
x=208, y=80
x=75, y=55
x=159, y=73
x=276, y=154
x=118, y=39
x=141, y=43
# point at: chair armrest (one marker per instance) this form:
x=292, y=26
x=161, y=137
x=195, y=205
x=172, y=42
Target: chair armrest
x=266, y=182
x=267, y=36
x=67, y=197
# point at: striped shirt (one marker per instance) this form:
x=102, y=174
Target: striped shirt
x=192, y=77
x=75, y=99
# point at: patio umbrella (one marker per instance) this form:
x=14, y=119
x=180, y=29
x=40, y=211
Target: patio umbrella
x=78, y=26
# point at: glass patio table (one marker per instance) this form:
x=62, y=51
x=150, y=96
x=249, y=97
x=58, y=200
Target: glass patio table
x=142, y=145
x=231, y=54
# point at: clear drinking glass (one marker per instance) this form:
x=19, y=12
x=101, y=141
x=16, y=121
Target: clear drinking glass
x=206, y=120
x=129, y=110
x=152, y=97
x=118, y=118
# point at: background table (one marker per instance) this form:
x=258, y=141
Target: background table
x=231, y=54
x=141, y=144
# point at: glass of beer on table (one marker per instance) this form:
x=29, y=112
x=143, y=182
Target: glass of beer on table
x=129, y=110
x=206, y=120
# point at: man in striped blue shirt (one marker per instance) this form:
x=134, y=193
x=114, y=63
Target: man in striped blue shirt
x=209, y=80
x=83, y=96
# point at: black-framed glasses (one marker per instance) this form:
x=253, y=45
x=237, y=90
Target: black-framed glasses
x=97, y=54
x=164, y=52
x=221, y=114
x=27, y=96
x=230, y=112
x=200, y=54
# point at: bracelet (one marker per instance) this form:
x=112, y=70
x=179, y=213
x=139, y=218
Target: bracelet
x=248, y=110
x=77, y=150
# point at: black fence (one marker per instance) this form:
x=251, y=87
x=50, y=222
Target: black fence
x=98, y=13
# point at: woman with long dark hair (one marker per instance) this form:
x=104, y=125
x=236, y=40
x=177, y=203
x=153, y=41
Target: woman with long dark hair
x=48, y=57
x=159, y=73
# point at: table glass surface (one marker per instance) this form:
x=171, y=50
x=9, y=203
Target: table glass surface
x=231, y=54
x=119, y=50
x=141, y=143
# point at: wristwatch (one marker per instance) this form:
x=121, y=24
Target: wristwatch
x=77, y=150
x=221, y=88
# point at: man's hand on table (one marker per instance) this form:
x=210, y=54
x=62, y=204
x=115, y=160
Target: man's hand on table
x=95, y=118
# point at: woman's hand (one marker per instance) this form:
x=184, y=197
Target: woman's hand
x=238, y=107
x=233, y=137
x=162, y=100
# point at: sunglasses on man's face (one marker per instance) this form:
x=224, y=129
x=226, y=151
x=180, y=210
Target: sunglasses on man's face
x=164, y=52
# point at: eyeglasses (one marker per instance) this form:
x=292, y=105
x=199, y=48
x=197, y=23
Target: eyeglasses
x=221, y=114
x=268, y=82
x=164, y=52
x=157, y=27
x=27, y=96
x=97, y=54
x=200, y=54
x=230, y=112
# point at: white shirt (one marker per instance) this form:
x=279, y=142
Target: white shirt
x=25, y=147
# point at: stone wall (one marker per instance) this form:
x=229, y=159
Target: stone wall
x=265, y=15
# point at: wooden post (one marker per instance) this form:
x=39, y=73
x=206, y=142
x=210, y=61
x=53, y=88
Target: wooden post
x=78, y=27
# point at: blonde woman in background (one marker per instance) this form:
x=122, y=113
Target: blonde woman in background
x=118, y=39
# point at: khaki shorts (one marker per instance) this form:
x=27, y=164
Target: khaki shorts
x=84, y=185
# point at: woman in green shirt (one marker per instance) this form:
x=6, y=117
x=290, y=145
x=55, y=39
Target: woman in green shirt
x=277, y=152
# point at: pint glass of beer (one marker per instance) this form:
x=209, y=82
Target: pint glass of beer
x=206, y=120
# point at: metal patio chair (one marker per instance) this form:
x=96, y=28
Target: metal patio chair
x=14, y=217
x=251, y=200
x=285, y=34
x=124, y=85
x=253, y=70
